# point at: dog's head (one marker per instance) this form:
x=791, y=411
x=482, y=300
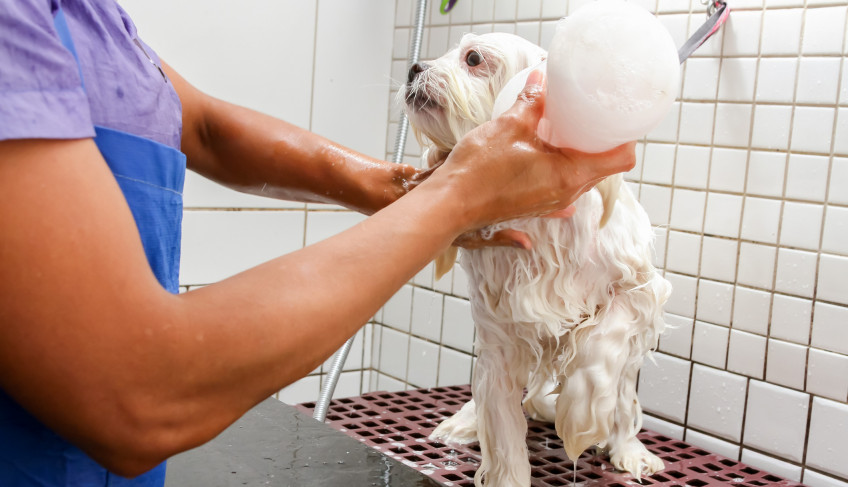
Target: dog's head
x=447, y=97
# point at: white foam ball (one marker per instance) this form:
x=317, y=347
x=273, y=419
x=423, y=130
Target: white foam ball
x=612, y=75
x=509, y=93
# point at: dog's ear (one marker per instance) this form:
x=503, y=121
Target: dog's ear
x=445, y=261
x=609, y=195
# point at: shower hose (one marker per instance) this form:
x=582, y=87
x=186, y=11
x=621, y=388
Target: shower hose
x=332, y=378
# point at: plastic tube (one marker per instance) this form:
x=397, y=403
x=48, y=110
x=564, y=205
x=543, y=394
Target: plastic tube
x=414, y=54
x=320, y=412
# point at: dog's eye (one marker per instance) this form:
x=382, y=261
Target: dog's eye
x=473, y=58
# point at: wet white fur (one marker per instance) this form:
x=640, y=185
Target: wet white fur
x=571, y=320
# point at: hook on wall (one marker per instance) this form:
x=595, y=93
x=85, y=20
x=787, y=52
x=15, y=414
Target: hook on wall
x=712, y=6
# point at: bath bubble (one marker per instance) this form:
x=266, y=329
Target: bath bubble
x=612, y=76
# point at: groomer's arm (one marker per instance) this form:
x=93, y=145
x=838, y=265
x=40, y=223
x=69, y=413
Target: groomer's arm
x=255, y=153
x=98, y=351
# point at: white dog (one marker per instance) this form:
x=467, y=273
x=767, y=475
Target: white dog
x=570, y=320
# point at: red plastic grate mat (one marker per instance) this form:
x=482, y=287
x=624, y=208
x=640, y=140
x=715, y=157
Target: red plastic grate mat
x=398, y=424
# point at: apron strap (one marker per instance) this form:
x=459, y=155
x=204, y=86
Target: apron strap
x=61, y=24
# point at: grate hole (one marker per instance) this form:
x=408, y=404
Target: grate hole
x=696, y=483
x=749, y=470
x=677, y=475
x=772, y=478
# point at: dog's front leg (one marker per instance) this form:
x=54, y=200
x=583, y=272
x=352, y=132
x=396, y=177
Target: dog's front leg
x=500, y=376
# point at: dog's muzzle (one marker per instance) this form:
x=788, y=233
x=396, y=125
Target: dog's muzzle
x=417, y=97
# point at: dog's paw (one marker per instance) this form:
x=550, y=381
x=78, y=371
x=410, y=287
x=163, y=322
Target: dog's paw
x=634, y=458
x=459, y=429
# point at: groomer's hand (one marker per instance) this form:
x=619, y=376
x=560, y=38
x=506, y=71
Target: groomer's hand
x=475, y=239
x=501, y=170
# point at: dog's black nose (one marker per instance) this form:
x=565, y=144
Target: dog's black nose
x=415, y=70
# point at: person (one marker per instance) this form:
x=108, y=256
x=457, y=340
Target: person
x=105, y=370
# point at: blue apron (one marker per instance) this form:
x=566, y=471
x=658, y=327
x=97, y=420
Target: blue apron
x=151, y=177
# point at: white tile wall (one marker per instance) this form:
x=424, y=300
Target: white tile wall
x=828, y=440
x=786, y=364
x=782, y=431
x=717, y=402
x=287, y=59
x=218, y=244
x=746, y=176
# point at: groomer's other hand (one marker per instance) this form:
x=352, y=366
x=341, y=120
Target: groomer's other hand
x=507, y=237
x=501, y=170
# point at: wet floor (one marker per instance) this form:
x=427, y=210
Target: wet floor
x=277, y=445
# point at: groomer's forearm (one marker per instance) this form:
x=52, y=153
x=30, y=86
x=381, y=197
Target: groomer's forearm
x=255, y=153
x=302, y=306
x=275, y=323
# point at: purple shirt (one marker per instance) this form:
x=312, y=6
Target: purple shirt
x=41, y=94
